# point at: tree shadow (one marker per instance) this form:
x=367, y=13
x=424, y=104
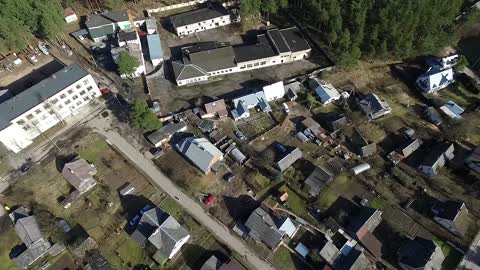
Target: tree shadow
x=241, y=207
x=61, y=160
x=131, y=206
x=119, y=108
x=200, y=258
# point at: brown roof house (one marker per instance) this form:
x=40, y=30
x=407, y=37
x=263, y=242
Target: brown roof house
x=216, y=108
x=361, y=226
x=79, y=173
x=453, y=215
x=314, y=130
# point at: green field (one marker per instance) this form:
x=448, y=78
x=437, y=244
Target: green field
x=8, y=240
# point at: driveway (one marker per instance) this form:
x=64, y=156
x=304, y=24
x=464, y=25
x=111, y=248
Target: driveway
x=221, y=232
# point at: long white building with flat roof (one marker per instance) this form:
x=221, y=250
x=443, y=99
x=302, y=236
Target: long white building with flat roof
x=25, y=116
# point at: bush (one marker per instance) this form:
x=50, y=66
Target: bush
x=142, y=117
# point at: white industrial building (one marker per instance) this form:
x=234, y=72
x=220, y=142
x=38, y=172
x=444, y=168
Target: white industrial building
x=26, y=115
x=208, y=59
x=213, y=16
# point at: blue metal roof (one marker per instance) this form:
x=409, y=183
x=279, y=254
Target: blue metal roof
x=38, y=93
x=154, y=47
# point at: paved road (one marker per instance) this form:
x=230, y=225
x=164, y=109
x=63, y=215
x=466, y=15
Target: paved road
x=149, y=168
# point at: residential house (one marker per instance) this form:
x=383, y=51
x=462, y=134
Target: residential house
x=79, y=173
x=363, y=147
x=325, y=91
x=245, y=103
x=212, y=16
x=274, y=91
x=434, y=80
x=207, y=59
x=420, y=253
x=165, y=133
x=335, y=122
x=292, y=89
x=200, y=152
x=452, y=110
x=355, y=260
x=453, y=215
x=264, y=227
x=314, y=131
x=102, y=25
x=69, y=15
x=130, y=43
x=215, y=108
x=361, y=226
x=160, y=230
x=436, y=159
x=28, y=231
x=439, y=74
x=473, y=160
x=317, y=181
x=214, y=263
x=287, y=157
x=155, y=51
x=30, y=113
x=432, y=115
x=374, y=107
x=237, y=155
x=404, y=150
x=302, y=250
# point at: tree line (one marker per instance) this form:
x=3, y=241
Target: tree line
x=20, y=21
x=371, y=28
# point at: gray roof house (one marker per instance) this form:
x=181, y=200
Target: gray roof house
x=453, y=215
x=435, y=79
x=405, y=150
x=374, y=107
x=103, y=24
x=266, y=228
x=79, y=173
x=163, y=135
x=213, y=263
x=436, y=159
x=28, y=231
x=325, y=91
x=161, y=230
x=288, y=159
x=244, y=103
x=420, y=253
x=200, y=152
x=354, y=260
x=317, y=181
x=364, y=148
x=433, y=116
x=473, y=160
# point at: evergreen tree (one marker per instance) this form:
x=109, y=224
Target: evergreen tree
x=143, y=117
x=127, y=64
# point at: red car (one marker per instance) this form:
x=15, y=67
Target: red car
x=209, y=200
x=104, y=91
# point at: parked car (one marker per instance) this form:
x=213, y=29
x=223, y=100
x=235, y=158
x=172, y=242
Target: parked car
x=229, y=177
x=240, y=135
x=285, y=108
x=43, y=48
x=157, y=152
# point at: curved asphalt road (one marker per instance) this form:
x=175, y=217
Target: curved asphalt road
x=221, y=232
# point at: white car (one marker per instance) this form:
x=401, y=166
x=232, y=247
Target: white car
x=285, y=108
x=42, y=47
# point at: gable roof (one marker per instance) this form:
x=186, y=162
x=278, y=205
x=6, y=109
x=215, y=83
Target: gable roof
x=28, y=230
x=214, y=10
x=417, y=253
x=437, y=153
x=371, y=104
x=317, y=180
x=274, y=90
x=183, y=71
x=262, y=227
x=68, y=11
x=200, y=152
x=218, y=57
x=217, y=106
x=452, y=109
x=166, y=131
x=360, y=218
x=107, y=17
x=448, y=209
x=249, y=52
x=278, y=41
x=435, y=79
x=433, y=116
x=324, y=90
x=78, y=171
x=286, y=161
x=38, y=93
x=473, y=160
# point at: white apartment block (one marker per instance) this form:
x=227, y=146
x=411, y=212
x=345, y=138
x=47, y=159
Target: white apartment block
x=208, y=59
x=213, y=16
x=35, y=110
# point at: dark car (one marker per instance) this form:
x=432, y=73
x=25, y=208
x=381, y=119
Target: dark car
x=157, y=152
x=240, y=135
x=229, y=177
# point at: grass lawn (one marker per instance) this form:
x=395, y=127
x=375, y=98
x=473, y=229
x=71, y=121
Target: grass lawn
x=282, y=259
x=8, y=240
x=338, y=187
x=121, y=251
x=377, y=203
x=4, y=166
x=295, y=203
x=94, y=150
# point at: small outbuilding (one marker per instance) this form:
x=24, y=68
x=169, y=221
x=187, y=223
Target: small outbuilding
x=69, y=15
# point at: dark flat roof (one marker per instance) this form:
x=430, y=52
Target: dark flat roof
x=36, y=94
x=262, y=49
x=295, y=40
x=124, y=36
x=278, y=41
x=214, y=11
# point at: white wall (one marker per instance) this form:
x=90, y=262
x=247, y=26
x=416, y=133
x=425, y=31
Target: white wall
x=178, y=245
x=203, y=26
x=47, y=114
x=193, y=80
